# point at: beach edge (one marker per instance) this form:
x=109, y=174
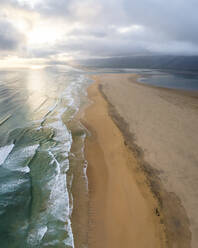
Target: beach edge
x=141, y=178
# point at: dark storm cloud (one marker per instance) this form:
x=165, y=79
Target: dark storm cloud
x=169, y=26
x=177, y=19
x=112, y=27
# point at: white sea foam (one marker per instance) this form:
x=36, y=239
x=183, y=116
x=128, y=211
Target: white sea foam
x=41, y=232
x=4, y=152
x=36, y=235
x=17, y=157
x=11, y=186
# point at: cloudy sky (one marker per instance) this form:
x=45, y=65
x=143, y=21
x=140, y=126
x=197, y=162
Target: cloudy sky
x=54, y=31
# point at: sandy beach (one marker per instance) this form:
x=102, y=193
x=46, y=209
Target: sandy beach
x=142, y=164
x=122, y=210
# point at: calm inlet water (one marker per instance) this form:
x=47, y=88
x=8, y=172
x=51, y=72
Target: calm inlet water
x=173, y=80
x=168, y=79
x=36, y=107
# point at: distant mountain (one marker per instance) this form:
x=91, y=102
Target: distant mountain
x=189, y=63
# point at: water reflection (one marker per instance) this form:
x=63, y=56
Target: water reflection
x=36, y=84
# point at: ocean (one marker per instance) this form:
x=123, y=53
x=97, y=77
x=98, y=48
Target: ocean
x=37, y=109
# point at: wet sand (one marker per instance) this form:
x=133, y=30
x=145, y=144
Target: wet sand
x=123, y=212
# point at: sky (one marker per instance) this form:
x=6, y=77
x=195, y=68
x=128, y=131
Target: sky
x=37, y=32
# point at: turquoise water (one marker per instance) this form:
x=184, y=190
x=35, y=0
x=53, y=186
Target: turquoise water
x=36, y=107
